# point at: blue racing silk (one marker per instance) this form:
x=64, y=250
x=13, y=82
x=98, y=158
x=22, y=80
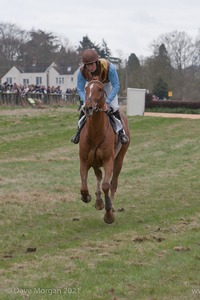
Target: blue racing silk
x=113, y=79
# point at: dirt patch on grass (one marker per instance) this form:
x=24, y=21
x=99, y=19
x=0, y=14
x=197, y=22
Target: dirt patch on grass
x=33, y=111
x=171, y=115
x=38, y=198
x=37, y=111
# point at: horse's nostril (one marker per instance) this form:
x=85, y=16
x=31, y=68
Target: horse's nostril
x=89, y=111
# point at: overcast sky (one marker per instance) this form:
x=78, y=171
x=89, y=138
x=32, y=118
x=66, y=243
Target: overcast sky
x=128, y=26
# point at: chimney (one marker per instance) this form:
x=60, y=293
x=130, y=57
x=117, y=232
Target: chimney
x=34, y=61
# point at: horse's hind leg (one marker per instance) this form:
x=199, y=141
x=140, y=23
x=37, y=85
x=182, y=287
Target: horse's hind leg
x=109, y=216
x=116, y=171
x=114, y=181
x=99, y=202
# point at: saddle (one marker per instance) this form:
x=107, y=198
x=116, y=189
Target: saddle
x=115, y=123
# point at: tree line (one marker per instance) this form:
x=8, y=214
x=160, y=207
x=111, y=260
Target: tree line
x=172, y=66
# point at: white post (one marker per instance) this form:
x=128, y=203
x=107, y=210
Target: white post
x=135, y=102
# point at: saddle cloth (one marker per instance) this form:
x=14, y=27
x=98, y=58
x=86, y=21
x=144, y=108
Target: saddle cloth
x=115, y=123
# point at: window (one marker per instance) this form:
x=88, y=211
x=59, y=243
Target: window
x=59, y=80
x=25, y=81
x=38, y=80
x=72, y=79
x=9, y=80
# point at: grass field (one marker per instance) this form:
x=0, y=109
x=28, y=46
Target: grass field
x=52, y=244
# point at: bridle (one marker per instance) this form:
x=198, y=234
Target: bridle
x=95, y=108
x=98, y=108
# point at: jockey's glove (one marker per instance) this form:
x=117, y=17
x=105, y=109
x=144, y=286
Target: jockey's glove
x=107, y=101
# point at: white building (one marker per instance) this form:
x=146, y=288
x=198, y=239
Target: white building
x=43, y=75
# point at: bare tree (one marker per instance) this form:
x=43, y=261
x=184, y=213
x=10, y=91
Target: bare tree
x=196, y=60
x=179, y=46
x=11, y=38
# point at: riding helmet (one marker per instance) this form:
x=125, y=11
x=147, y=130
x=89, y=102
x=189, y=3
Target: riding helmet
x=89, y=56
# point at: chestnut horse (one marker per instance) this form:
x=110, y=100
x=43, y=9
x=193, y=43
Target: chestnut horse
x=99, y=146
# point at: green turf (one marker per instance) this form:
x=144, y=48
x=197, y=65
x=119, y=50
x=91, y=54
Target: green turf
x=52, y=244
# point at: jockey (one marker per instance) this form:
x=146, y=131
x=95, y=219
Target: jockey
x=95, y=68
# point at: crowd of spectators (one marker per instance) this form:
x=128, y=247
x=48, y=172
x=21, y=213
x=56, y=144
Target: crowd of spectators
x=32, y=89
x=18, y=94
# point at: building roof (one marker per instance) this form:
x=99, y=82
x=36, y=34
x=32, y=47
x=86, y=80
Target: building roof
x=62, y=69
x=33, y=68
x=65, y=69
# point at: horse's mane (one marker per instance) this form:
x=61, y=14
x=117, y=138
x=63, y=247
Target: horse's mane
x=96, y=81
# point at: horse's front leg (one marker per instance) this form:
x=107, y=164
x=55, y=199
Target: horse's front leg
x=99, y=204
x=85, y=196
x=108, y=169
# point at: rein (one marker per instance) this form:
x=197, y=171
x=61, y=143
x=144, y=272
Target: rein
x=102, y=97
x=100, y=107
x=96, y=147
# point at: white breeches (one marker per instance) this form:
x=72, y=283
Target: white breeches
x=114, y=104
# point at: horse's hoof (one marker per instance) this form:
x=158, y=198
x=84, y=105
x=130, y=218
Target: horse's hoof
x=109, y=218
x=99, y=205
x=87, y=199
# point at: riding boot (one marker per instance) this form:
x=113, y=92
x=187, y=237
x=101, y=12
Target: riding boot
x=122, y=134
x=76, y=137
